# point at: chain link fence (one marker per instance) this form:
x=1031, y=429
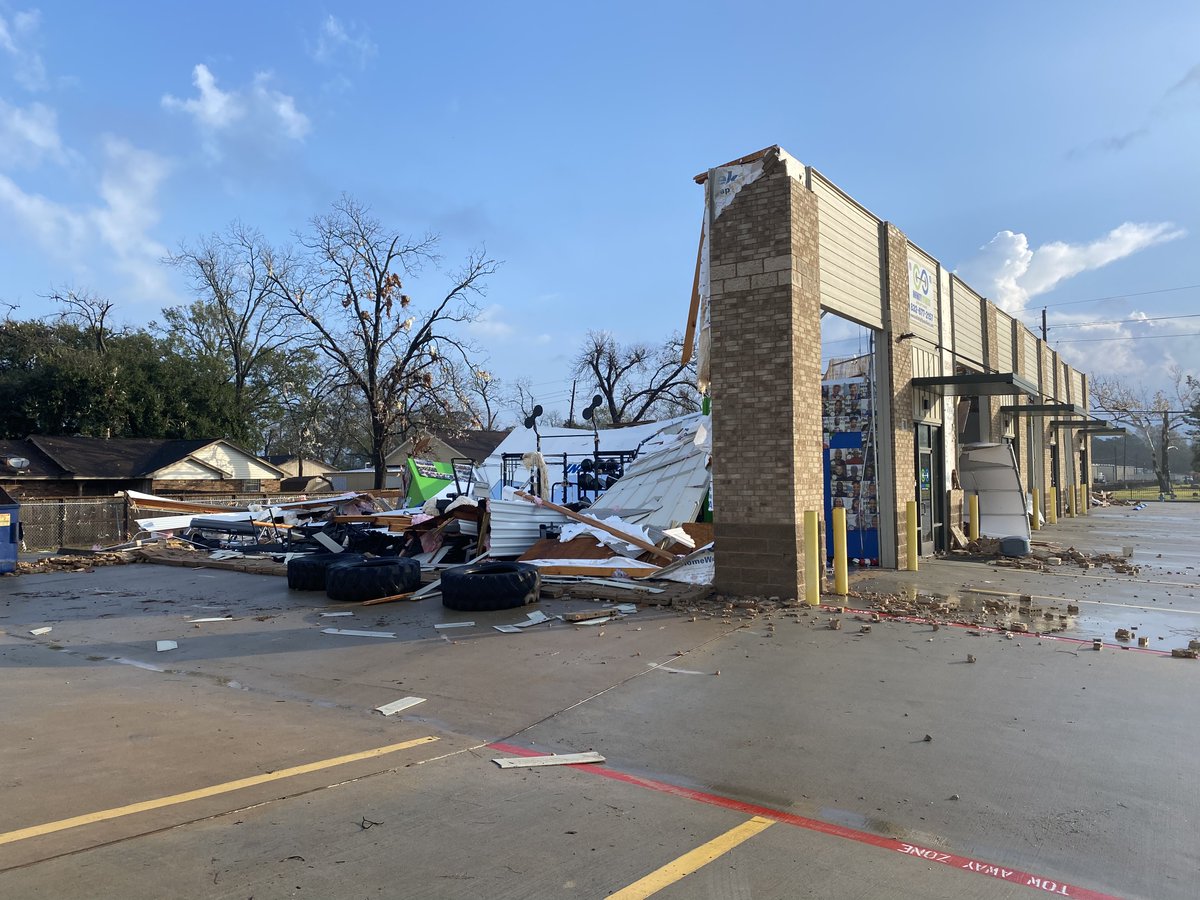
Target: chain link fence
x=103, y=522
x=51, y=524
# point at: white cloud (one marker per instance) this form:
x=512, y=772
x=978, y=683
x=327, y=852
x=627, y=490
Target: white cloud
x=56, y=227
x=1008, y=272
x=28, y=135
x=1136, y=349
x=213, y=109
x=489, y=324
x=336, y=43
x=17, y=39
x=115, y=230
x=282, y=107
x=129, y=188
x=257, y=109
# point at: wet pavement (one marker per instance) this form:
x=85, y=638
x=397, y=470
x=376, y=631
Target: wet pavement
x=794, y=759
x=1160, y=603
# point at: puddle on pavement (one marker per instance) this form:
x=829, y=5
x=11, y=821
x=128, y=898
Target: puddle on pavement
x=1163, y=629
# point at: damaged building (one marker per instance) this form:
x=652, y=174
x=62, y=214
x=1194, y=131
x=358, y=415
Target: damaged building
x=782, y=247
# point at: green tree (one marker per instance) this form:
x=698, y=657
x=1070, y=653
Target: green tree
x=238, y=324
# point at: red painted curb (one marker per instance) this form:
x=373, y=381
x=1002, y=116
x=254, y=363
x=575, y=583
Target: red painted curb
x=964, y=863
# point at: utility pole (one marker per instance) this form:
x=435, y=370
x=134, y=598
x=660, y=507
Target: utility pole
x=1043, y=323
x=571, y=416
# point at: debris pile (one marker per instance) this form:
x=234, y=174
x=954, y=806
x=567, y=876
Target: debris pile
x=1046, y=555
x=73, y=563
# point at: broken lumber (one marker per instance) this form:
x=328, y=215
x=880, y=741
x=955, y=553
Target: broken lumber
x=595, y=523
x=586, y=615
x=411, y=595
x=558, y=759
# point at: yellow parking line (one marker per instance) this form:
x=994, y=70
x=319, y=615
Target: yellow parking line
x=115, y=813
x=693, y=860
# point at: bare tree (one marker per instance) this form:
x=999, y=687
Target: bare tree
x=478, y=393
x=347, y=287
x=87, y=311
x=638, y=382
x=237, y=316
x=1156, y=415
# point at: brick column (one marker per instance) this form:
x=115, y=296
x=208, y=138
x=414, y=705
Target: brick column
x=766, y=384
x=898, y=383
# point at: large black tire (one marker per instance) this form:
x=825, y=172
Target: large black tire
x=372, y=578
x=307, y=573
x=490, y=586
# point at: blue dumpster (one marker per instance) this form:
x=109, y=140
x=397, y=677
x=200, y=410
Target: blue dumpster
x=10, y=533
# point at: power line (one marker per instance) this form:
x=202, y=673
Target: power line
x=1130, y=337
x=1185, y=287
x=1123, y=321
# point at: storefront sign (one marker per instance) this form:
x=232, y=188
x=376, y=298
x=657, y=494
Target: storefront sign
x=922, y=294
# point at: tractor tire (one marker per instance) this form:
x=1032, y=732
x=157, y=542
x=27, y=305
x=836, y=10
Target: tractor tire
x=307, y=573
x=490, y=586
x=371, y=579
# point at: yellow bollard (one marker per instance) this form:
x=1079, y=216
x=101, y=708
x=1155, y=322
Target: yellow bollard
x=914, y=536
x=1035, y=520
x=1085, y=495
x=841, y=578
x=973, y=511
x=812, y=566
x=1051, y=506
x=1072, y=496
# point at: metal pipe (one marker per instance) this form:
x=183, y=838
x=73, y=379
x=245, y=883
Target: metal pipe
x=841, y=578
x=914, y=537
x=812, y=572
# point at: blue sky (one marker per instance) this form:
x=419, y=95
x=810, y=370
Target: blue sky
x=1046, y=150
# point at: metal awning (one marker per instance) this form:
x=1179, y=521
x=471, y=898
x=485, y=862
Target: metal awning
x=976, y=384
x=1041, y=409
x=1080, y=424
x=1104, y=430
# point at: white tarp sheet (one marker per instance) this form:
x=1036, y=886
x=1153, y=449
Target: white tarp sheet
x=990, y=470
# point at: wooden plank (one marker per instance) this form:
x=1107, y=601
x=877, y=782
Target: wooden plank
x=195, y=560
x=350, y=632
x=400, y=705
x=165, y=505
x=571, y=514
x=558, y=759
x=593, y=572
x=586, y=614
x=389, y=599
x=959, y=536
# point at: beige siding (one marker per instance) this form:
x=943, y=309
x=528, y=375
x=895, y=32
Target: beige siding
x=967, y=318
x=1077, y=394
x=1004, y=343
x=916, y=322
x=237, y=464
x=1031, y=370
x=848, y=238
x=1064, y=385
x=187, y=470
x=926, y=363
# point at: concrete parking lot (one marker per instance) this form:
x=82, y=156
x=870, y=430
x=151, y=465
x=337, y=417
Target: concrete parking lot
x=766, y=757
